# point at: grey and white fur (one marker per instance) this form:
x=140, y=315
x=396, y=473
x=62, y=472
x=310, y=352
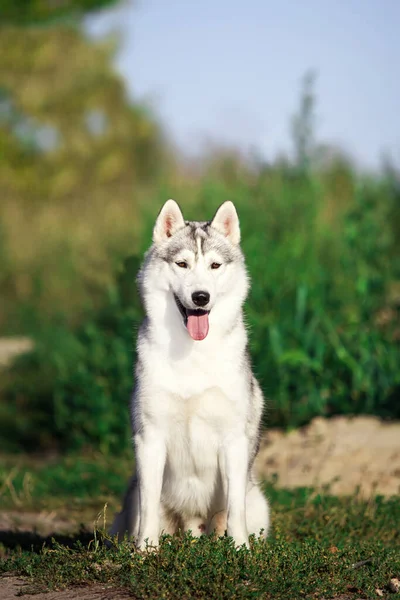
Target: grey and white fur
x=196, y=407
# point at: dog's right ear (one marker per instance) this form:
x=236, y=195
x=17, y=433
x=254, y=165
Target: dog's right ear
x=226, y=221
x=169, y=220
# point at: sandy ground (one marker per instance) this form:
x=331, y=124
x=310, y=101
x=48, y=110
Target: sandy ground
x=12, y=587
x=12, y=347
x=343, y=453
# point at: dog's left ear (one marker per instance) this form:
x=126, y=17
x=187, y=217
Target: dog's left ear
x=226, y=221
x=169, y=220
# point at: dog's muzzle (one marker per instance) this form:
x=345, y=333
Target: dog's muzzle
x=195, y=320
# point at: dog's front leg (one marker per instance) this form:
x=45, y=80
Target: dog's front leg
x=150, y=460
x=236, y=464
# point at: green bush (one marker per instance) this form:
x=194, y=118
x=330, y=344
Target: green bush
x=73, y=390
x=324, y=324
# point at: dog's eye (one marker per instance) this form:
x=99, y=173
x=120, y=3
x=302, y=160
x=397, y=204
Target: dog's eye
x=215, y=265
x=182, y=264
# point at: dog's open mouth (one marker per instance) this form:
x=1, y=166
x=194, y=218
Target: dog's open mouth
x=196, y=321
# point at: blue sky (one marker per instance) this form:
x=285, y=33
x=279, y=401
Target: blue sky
x=230, y=71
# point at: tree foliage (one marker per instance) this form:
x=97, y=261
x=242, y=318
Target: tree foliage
x=73, y=149
x=26, y=12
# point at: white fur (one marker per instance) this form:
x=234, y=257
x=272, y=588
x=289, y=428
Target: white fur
x=195, y=417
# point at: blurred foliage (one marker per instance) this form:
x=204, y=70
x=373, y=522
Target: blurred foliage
x=83, y=173
x=27, y=12
x=324, y=318
x=73, y=154
x=74, y=389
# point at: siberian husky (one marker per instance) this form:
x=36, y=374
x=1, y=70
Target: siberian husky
x=196, y=407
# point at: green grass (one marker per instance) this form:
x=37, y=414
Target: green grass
x=313, y=546
x=75, y=488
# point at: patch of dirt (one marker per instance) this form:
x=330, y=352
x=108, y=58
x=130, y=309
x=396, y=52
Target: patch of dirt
x=342, y=453
x=12, y=587
x=10, y=348
x=44, y=523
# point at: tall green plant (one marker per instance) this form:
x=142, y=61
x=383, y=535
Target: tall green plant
x=303, y=124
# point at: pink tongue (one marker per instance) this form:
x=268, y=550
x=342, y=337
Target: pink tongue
x=197, y=326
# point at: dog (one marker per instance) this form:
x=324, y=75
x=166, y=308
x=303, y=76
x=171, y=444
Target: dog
x=196, y=407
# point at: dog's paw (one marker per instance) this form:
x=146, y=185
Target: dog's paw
x=147, y=543
x=240, y=539
x=242, y=542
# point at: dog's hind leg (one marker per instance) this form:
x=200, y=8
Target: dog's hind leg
x=218, y=523
x=169, y=521
x=196, y=525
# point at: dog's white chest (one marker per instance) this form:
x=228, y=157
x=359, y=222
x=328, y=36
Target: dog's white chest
x=194, y=376
x=195, y=429
x=199, y=419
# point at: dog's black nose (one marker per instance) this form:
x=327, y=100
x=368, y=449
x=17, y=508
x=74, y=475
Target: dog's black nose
x=201, y=298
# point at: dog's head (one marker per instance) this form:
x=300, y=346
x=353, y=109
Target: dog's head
x=202, y=264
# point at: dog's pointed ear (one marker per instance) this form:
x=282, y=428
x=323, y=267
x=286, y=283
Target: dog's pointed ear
x=226, y=221
x=169, y=220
